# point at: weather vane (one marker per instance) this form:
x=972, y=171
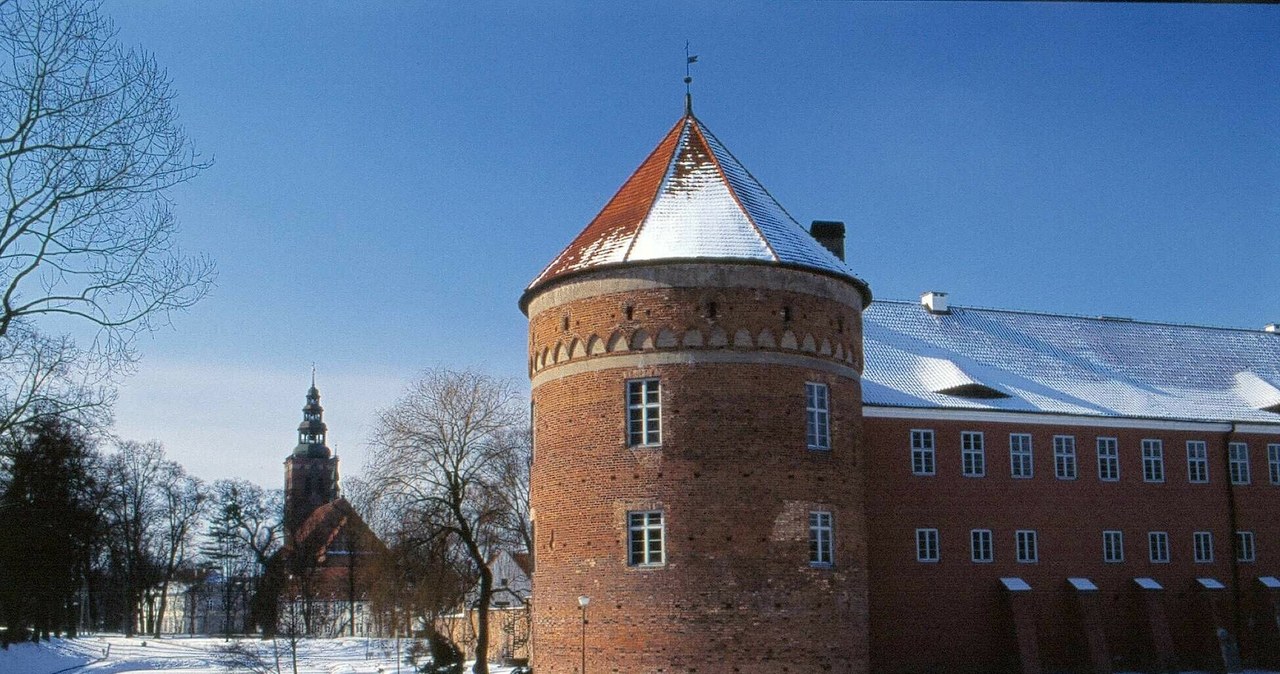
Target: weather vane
x=689, y=59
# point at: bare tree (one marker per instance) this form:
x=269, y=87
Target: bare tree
x=89, y=143
x=439, y=450
x=511, y=486
x=133, y=510
x=184, y=502
x=248, y=520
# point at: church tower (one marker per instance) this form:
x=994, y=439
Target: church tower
x=697, y=485
x=311, y=471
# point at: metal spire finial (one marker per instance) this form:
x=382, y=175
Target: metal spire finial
x=688, y=79
x=313, y=374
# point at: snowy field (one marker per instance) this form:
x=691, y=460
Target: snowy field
x=181, y=655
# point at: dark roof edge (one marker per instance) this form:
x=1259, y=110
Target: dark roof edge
x=1096, y=319
x=527, y=296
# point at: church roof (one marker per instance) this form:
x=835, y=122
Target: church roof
x=691, y=199
x=988, y=359
x=326, y=524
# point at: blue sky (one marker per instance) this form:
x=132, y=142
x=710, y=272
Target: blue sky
x=388, y=177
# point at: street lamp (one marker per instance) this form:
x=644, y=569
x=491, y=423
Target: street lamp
x=583, y=600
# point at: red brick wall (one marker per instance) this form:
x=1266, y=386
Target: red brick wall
x=734, y=480
x=957, y=607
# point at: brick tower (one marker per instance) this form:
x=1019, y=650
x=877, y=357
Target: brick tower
x=311, y=471
x=695, y=357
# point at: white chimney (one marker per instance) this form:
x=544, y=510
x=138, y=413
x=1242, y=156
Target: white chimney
x=935, y=302
x=1271, y=327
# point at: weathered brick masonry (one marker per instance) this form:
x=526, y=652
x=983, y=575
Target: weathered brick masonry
x=733, y=475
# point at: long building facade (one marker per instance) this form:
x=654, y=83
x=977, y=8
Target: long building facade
x=744, y=464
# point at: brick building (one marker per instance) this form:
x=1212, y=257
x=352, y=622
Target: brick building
x=722, y=482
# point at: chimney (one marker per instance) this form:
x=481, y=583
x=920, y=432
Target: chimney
x=829, y=233
x=935, y=302
x=1271, y=327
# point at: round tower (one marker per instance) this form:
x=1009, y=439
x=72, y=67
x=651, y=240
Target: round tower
x=695, y=358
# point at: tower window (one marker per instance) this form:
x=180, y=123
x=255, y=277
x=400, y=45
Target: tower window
x=564, y=323
x=644, y=412
x=628, y=311
x=817, y=416
x=820, y=538
x=711, y=309
x=786, y=313
x=645, y=538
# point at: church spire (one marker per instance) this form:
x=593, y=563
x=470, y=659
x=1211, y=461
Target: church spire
x=312, y=431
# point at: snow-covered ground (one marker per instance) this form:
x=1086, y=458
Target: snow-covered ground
x=181, y=655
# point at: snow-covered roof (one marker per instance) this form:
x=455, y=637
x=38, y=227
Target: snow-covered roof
x=989, y=359
x=692, y=199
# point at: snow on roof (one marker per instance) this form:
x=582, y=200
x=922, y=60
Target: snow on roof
x=1068, y=365
x=1082, y=584
x=1211, y=584
x=1148, y=583
x=1015, y=584
x=690, y=199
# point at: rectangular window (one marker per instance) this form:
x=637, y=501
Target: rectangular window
x=1273, y=463
x=1112, y=546
x=1108, y=460
x=922, y=454
x=927, y=545
x=1203, y=541
x=1158, y=546
x=1245, y=551
x=1197, y=461
x=644, y=538
x=1238, y=452
x=1020, y=455
x=1152, y=461
x=820, y=538
x=644, y=412
x=1028, y=546
x=1064, y=457
x=973, y=453
x=980, y=545
x=817, y=416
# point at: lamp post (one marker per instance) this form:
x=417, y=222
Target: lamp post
x=583, y=600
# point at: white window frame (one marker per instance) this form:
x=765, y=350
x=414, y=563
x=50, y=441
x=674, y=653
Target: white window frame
x=928, y=546
x=1027, y=544
x=1021, y=456
x=1202, y=544
x=1152, y=460
x=1158, y=547
x=973, y=454
x=1197, y=462
x=1065, y=465
x=817, y=414
x=924, y=450
x=821, y=539
x=644, y=412
x=1238, y=461
x=1246, y=547
x=1273, y=463
x=1113, y=546
x=1108, y=459
x=981, y=546
x=643, y=529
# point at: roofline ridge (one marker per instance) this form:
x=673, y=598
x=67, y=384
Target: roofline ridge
x=630, y=176
x=666, y=175
x=764, y=189
x=1095, y=318
x=715, y=160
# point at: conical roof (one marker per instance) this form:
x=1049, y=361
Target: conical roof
x=692, y=199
